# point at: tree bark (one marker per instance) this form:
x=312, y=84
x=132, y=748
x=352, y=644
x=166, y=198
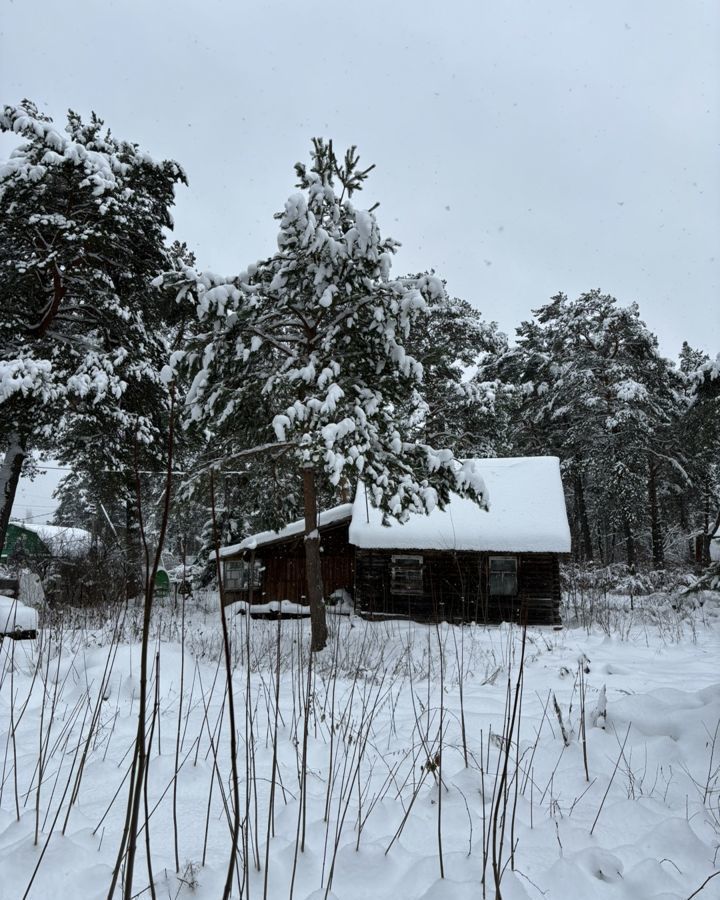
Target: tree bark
x=9, y=479
x=587, y=551
x=629, y=544
x=658, y=552
x=684, y=522
x=132, y=543
x=313, y=572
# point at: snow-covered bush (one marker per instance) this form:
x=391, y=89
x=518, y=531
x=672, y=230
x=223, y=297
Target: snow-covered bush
x=615, y=598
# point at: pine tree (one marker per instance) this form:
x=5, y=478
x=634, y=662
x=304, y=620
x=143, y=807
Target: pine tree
x=302, y=357
x=593, y=389
x=460, y=402
x=82, y=219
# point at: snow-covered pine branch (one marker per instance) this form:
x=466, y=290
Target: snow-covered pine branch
x=82, y=234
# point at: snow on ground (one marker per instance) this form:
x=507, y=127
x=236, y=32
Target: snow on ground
x=409, y=801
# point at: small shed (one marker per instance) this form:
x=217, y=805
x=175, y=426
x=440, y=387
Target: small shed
x=462, y=563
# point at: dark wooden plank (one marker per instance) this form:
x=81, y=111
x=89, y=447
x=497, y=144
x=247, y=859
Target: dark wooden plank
x=19, y=635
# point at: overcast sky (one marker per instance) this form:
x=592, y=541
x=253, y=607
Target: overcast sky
x=522, y=148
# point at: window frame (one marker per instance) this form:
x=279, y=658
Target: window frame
x=505, y=576
x=241, y=581
x=407, y=576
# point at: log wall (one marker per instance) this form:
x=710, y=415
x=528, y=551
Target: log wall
x=283, y=577
x=456, y=588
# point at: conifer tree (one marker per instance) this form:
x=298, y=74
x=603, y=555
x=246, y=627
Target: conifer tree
x=303, y=357
x=460, y=402
x=700, y=433
x=82, y=220
x=593, y=389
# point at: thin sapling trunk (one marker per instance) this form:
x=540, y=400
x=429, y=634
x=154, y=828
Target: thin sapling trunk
x=313, y=571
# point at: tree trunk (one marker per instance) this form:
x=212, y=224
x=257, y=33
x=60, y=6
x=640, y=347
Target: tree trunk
x=9, y=478
x=684, y=522
x=313, y=572
x=658, y=553
x=629, y=543
x=587, y=551
x=132, y=547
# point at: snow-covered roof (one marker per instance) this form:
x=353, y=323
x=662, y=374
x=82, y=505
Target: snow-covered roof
x=59, y=539
x=527, y=515
x=328, y=517
x=16, y=616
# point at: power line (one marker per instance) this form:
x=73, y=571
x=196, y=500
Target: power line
x=27, y=518
x=18, y=502
x=43, y=468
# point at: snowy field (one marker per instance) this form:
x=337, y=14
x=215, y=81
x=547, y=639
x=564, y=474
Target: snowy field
x=435, y=764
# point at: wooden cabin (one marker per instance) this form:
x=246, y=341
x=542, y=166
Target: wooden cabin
x=462, y=563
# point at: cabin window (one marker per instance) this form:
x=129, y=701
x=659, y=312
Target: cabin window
x=237, y=575
x=503, y=576
x=407, y=575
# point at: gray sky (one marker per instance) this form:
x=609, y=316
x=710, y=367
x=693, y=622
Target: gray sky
x=522, y=148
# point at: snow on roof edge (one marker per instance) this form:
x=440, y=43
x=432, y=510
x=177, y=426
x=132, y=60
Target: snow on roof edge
x=61, y=540
x=327, y=517
x=526, y=514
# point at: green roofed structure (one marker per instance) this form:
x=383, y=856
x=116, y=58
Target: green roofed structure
x=44, y=541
